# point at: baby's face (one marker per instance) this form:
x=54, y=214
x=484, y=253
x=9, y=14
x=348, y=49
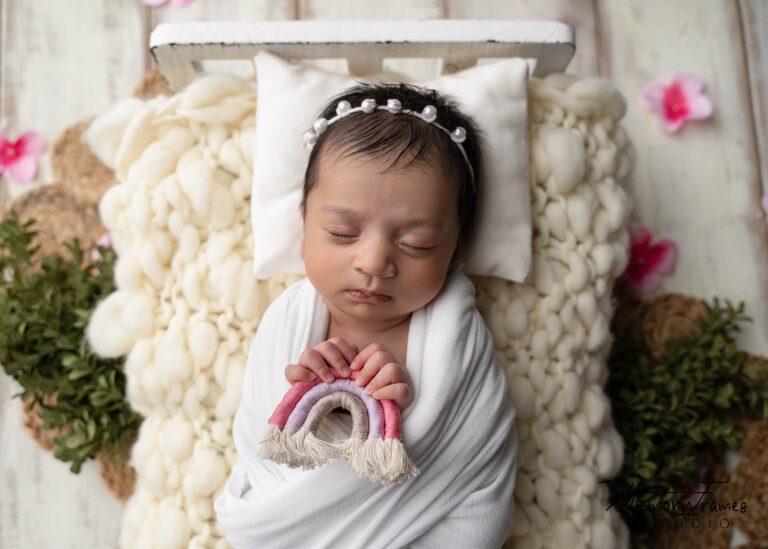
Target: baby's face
x=377, y=246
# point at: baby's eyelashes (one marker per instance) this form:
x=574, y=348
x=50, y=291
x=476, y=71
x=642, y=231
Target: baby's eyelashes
x=340, y=236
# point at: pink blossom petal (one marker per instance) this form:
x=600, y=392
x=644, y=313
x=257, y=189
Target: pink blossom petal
x=701, y=107
x=652, y=95
x=638, y=233
x=154, y=3
x=692, y=85
x=648, y=284
x=671, y=126
x=105, y=240
x=8, y=154
x=23, y=170
x=765, y=202
x=664, y=257
x=30, y=143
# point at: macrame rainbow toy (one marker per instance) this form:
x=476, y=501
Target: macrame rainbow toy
x=373, y=450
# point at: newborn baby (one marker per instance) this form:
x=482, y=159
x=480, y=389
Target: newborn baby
x=388, y=204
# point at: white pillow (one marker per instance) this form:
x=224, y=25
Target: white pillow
x=290, y=96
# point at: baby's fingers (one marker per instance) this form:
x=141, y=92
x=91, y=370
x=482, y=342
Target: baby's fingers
x=386, y=375
x=399, y=392
x=333, y=357
x=365, y=356
x=294, y=373
x=348, y=350
x=313, y=360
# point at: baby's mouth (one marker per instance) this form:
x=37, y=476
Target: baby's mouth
x=367, y=297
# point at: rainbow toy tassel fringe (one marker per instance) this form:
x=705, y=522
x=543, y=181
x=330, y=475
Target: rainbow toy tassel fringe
x=373, y=450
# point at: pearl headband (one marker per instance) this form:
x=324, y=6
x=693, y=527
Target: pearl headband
x=428, y=114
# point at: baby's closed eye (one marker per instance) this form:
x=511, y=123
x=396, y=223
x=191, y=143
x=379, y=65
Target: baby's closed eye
x=341, y=236
x=347, y=236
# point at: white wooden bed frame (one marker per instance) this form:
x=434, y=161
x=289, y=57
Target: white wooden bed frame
x=180, y=48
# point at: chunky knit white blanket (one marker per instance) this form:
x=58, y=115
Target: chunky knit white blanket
x=187, y=306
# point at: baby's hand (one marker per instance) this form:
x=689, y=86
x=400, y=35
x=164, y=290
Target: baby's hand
x=384, y=374
x=317, y=361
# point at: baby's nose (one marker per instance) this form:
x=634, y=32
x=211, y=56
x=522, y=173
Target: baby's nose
x=375, y=259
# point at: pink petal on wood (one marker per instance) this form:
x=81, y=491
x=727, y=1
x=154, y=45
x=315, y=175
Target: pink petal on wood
x=701, y=107
x=648, y=284
x=652, y=95
x=665, y=256
x=30, y=143
x=691, y=84
x=671, y=126
x=23, y=170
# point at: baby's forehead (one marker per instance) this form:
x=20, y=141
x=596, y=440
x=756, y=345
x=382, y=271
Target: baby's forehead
x=334, y=161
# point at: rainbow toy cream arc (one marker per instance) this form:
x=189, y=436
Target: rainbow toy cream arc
x=373, y=450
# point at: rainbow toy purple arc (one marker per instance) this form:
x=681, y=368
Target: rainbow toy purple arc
x=373, y=450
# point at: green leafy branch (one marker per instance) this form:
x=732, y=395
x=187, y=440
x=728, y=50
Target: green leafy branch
x=44, y=313
x=678, y=413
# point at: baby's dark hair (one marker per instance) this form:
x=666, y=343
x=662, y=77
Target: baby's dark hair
x=406, y=139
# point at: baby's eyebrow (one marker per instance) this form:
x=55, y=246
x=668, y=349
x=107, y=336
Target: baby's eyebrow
x=412, y=223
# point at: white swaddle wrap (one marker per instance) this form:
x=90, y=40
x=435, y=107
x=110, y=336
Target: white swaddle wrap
x=459, y=431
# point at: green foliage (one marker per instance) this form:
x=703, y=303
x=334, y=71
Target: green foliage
x=43, y=317
x=678, y=414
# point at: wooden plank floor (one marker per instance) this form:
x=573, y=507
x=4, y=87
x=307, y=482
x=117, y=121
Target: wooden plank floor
x=61, y=62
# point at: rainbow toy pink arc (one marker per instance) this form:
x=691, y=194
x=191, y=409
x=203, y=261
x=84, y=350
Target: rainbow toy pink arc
x=373, y=450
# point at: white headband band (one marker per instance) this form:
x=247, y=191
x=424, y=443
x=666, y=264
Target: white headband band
x=428, y=114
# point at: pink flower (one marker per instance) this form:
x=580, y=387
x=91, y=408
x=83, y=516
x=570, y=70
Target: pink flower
x=104, y=240
x=19, y=159
x=154, y=3
x=677, y=102
x=647, y=263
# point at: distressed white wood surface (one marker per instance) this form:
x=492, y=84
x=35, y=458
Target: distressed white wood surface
x=229, y=10
x=63, y=61
x=700, y=187
x=754, y=17
x=180, y=48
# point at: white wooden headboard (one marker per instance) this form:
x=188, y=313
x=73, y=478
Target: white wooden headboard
x=179, y=48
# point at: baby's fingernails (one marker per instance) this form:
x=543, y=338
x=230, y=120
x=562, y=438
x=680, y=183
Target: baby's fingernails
x=345, y=371
x=311, y=377
x=329, y=378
